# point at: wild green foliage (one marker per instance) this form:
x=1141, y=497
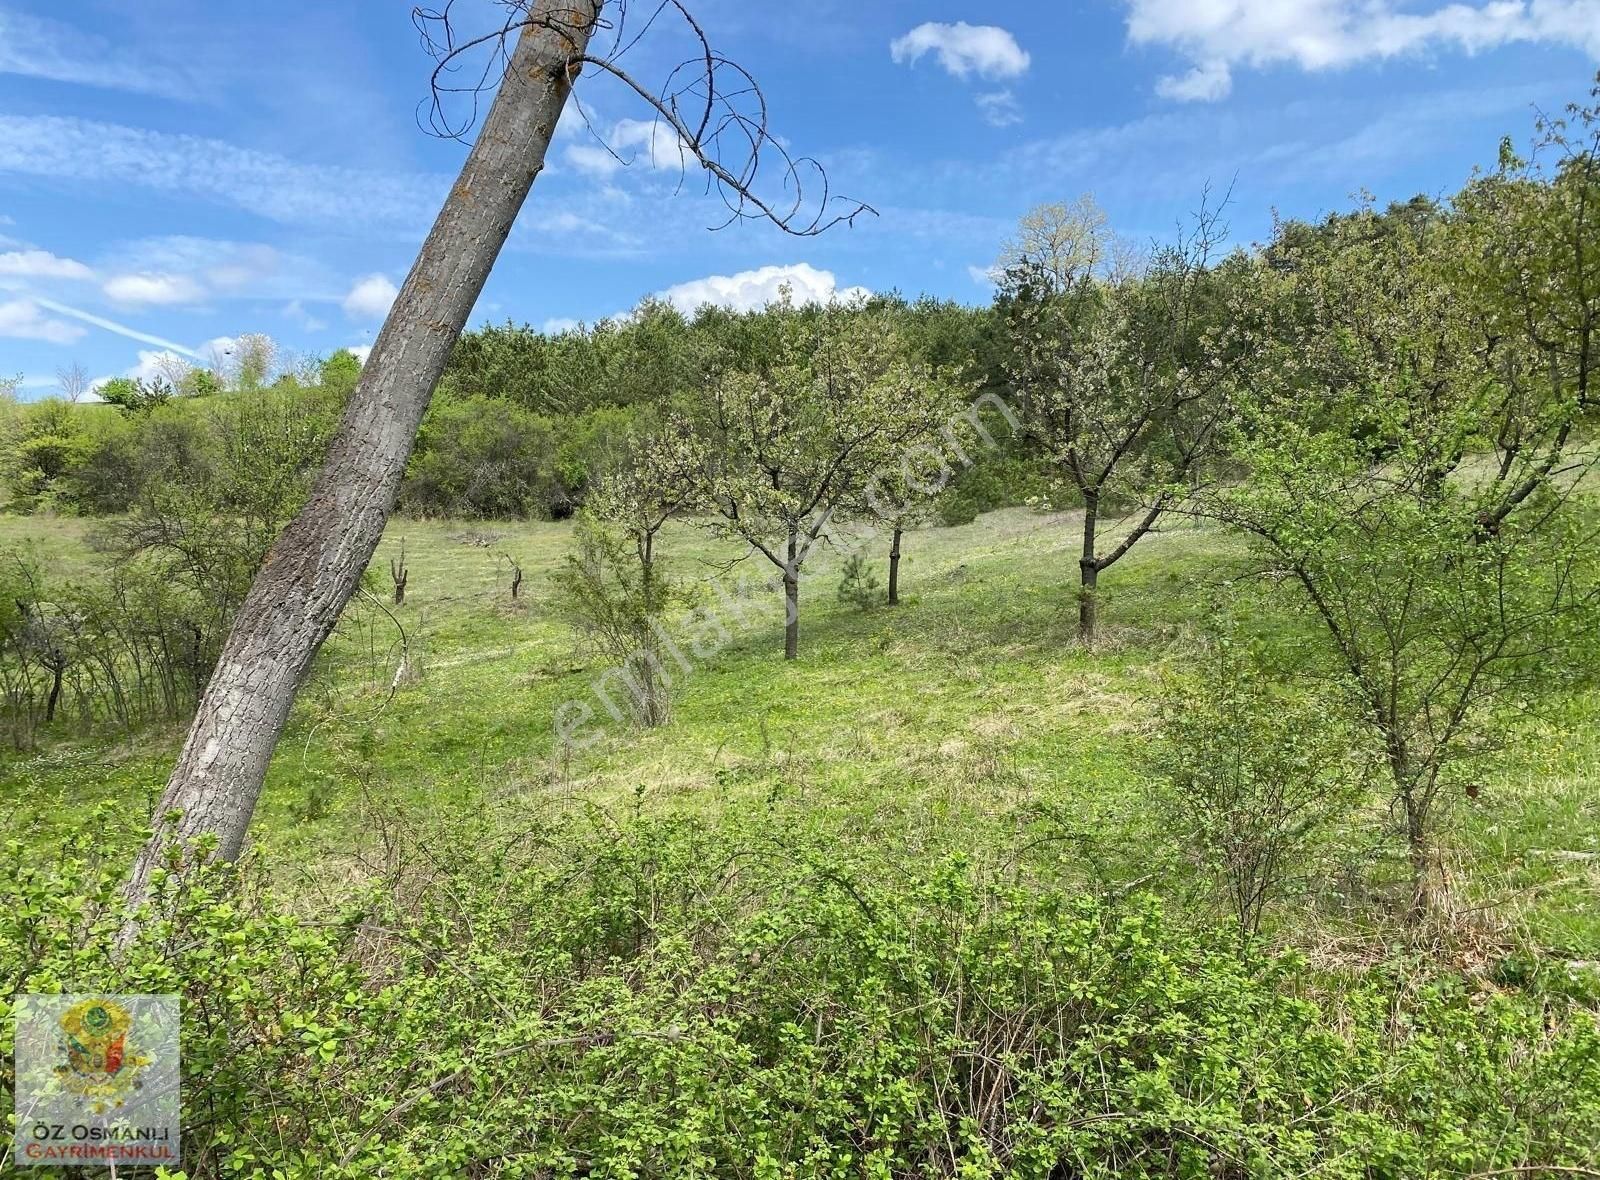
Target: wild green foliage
x=210, y=520
x=661, y=998
x=858, y=584
x=615, y=594
x=136, y=396
x=645, y=358
x=125, y=647
x=47, y=443
x=885, y=912
x=615, y=589
x=204, y=487
x=96, y=460
x=340, y=372
x=598, y=383
x=493, y=459
x=1252, y=769
x=1415, y=450
x=482, y=458
x=33, y=648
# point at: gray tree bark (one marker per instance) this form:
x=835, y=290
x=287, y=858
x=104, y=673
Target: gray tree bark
x=791, y=599
x=1089, y=569
x=894, y=569
x=313, y=570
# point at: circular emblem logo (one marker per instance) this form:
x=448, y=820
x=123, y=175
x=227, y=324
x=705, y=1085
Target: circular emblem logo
x=101, y=1066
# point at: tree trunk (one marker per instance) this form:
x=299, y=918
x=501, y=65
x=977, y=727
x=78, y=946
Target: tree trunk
x=1416, y=817
x=315, y=566
x=1088, y=569
x=58, y=669
x=652, y=690
x=894, y=570
x=1416, y=832
x=1421, y=860
x=791, y=601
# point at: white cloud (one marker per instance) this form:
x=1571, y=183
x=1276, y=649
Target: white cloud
x=37, y=48
x=268, y=185
x=1207, y=82
x=360, y=351
x=295, y=310
x=751, y=290
x=179, y=268
x=239, y=265
x=1220, y=35
x=649, y=143
x=152, y=289
x=574, y=118
x=218, y=264
x=999, y=108
x=215, y=354
x=962, y=49
x=370, y=298
x=984, y=276
x=40, y=264
x=82, y=153
x=658, y=145
x=22, y=319
x=558, y=325
x=591, y=159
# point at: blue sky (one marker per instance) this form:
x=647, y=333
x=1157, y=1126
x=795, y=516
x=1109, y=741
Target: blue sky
x=176, y=172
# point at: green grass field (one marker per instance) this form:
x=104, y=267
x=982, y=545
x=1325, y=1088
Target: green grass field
x=966, y=719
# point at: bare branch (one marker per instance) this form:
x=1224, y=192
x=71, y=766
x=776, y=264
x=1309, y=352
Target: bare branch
x=711, y=104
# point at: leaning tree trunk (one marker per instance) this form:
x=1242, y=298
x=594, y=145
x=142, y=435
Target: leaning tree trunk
x=1088, y=570
x=314, y=568
x=894, y=569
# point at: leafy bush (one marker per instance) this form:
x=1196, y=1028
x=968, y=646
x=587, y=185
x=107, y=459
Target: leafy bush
x=494, y=459
x=654, y=997
x=481, y=458
x=616, y=600
x=859, y=587
x=48, y=442
x=206, y=487
x=102, y=459
x=1251, y=770
x=1001, y=478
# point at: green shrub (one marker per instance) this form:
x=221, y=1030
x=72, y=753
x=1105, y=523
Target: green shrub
x=615, y=601
x=1001, y=478
x=48, y=443
x=492, y=458
x=656, y=997
x=1251, y=768
x=859, y=586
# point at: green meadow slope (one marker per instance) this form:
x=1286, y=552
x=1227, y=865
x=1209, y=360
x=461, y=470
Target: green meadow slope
x=965, y=720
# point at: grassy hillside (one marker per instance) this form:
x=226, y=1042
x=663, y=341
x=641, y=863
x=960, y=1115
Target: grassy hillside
x=965, y=720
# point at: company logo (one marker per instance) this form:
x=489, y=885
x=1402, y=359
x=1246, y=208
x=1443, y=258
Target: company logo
x=102, y=1066
x=97, y=1080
